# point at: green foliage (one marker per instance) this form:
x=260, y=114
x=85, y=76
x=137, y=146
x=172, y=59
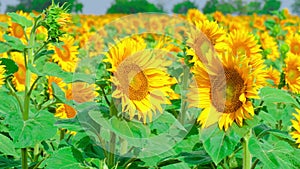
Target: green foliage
x=242, y=7
x=270, y=5
x=7, y=147
x=63, y=158
x=184, y=6
x=296, y=7
x=210, y=6
x=132, y=6
x=40, y=5
x=30, y=132
x=218, y=143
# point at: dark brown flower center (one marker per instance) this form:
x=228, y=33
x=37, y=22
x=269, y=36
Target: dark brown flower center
x=133, y=81
x=226, y=91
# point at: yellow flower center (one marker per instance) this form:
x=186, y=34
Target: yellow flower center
x=295, y=48
x=17, y=30
x=292, y=74
x=133, y=81
x=63, y=53
x=241, y=51
x=225, y=93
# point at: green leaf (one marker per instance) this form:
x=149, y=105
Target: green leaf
x=272, y=95
x=64, y=158
x=70, y=124
x=3, y=25
x=129, y=129
x=22, y=20
x=270, y=23
x=80, y=77
x=7, y=146
x=9, y=163
x=35, y=70
x=196, y=157
x=187, y=144
x=58, y=93
x=10, y=66
x=4, y=47
x=10, y=104
x=14, y=43
x=43, y=53
x=278, y=154
x=27, y=133
x=52, y=69
x=217, y=143
x=173, y=164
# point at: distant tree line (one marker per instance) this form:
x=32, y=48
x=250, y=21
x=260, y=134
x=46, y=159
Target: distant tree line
x=135, y=6
x=40, y=5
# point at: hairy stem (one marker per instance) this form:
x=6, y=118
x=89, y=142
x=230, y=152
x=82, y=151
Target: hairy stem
x=246, y=153
x=185, y=79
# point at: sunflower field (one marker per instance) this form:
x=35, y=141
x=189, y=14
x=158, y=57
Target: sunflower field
x=149, y=90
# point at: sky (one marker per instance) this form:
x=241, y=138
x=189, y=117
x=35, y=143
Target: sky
x=100, y=6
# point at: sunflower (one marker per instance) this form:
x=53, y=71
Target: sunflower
x=140, y=78
x=223, y=90
x=213, y=32
x=294, y=43
x=241, y=43
x=65, y=111
x=269, y=43
x=296, y=125
x=66, y=55
x=81, y=92
x=292, y=72
x=204, y=37
x=20, y=76
x=259, y=22
x=219, y=16
x=17, y=30
x=194, y=15
x=273, y=75
x=2, y=77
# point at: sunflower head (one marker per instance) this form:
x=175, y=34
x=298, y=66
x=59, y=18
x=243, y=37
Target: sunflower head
x=81, y=92
x=294, y=43
x=296, y=125
x=2, y=76
x=292, y=72
x=224, y=91
x=20, y=76
x=65, y=111
x=66, y=54
x=140, y=79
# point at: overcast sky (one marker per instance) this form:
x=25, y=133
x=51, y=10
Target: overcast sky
x=100, y=6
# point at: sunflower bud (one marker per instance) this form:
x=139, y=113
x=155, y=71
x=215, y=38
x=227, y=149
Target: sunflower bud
x=56, y=17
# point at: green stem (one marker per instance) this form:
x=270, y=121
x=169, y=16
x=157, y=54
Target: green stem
x=25, y=113
x=36, y=152
x=24, y=158
x=112, y=144
x=62, y=134
x=185, y=79
x=246, y=153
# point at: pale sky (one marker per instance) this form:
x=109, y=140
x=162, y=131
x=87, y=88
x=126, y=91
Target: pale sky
x=100, y=6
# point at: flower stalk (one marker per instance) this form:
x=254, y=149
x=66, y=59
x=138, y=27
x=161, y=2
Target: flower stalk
x=246, y=153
